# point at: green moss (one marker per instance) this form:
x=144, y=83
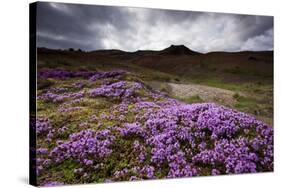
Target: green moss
x=65, y=170
x=236, y=96
x=96, y=103
x=122, y=155
x=44, y=83
x=247, y=104
x=191, y=99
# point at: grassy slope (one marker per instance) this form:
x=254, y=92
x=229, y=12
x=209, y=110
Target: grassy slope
x=248, y=74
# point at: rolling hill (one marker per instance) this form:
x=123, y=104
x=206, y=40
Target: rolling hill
x=247, y=74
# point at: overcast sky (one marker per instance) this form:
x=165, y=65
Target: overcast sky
x=91, y=27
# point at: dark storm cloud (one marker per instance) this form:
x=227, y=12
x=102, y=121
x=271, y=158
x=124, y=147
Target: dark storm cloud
x=130, y=29
x=78, y=26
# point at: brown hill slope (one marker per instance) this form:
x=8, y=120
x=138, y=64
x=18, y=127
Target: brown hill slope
x=179, y=61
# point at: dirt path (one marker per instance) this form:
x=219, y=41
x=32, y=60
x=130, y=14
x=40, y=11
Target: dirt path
x=206, y=93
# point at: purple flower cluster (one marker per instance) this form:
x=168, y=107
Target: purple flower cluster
x=79, y=84
x=86, y=147
x=42, y=159
x=42, y=125
x=148, y=172
x=140, y=150
x=111, y=74
x=52, y=183
x=189, y=137
x=120, y=173
x=235, y=156
x=59, y=90
x=63, y=109
x=121, y=89
x=63, y=74
x=58, y=98
x=133, y=129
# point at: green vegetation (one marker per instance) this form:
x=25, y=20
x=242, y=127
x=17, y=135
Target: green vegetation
x=247, y=104
x=191, y=99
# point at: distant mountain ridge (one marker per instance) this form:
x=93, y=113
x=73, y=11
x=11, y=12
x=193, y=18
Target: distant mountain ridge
x=178, y=50
x=171, y=50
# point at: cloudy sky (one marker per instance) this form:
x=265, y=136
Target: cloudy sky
x=91, y=27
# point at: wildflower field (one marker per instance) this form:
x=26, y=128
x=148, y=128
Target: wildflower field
x=107, y=126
